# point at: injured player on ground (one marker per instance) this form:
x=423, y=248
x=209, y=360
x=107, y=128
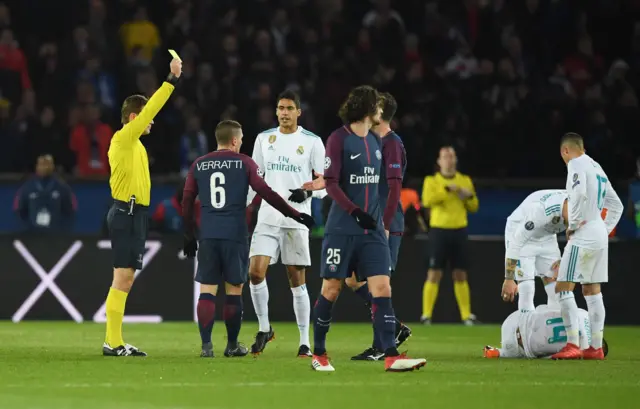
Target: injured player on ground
x=537, y=334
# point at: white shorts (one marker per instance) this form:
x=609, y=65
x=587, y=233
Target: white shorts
x=273, y=241
x=529, y=268
x=585, y=266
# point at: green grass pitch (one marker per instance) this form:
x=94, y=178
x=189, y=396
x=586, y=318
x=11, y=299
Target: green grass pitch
x=59, y=366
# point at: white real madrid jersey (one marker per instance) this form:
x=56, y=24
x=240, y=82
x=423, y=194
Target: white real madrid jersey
x=287, y=161
x=589, y=192
x=535, y=223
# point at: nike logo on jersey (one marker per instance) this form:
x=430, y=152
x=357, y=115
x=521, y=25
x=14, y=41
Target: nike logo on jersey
x=355, y=156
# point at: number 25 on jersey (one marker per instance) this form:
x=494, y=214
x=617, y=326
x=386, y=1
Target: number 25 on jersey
x=216, y=186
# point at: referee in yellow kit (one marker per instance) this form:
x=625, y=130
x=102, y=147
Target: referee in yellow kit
x=450, y=195
x=131, y=191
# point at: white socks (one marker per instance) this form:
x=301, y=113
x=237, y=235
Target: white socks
x=552, y=297
x=302, y=308
x=595, y=305
x=260, y=299
x=569, y=310
x=526, y=291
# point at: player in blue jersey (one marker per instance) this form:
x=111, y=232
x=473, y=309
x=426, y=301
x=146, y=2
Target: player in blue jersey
x=222, y=179
x=394, y=158
x=355, y=238
x=394, y=155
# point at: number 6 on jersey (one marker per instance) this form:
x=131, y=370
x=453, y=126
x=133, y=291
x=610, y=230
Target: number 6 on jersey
x=216, y=185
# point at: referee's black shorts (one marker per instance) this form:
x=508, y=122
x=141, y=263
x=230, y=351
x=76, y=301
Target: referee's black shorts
x=128, y=233
x=448, y=248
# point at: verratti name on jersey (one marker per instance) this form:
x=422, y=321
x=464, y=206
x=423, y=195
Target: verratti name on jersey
x=219, y=164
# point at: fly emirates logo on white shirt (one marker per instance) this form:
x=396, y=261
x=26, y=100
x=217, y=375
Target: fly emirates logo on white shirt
x=288, y=161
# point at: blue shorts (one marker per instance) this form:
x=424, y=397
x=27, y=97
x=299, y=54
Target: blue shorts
x=222, y=261
x=366, y=254
x=394, y=249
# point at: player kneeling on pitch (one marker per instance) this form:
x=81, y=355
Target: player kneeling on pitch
x=222, y=179
x=538, y=334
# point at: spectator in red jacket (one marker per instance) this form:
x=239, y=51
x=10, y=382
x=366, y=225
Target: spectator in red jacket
x=167, y=216
x=13, y=63
x=90, y=142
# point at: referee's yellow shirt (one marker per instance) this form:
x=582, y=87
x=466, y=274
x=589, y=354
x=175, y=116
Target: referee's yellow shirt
x=127, y=156
x=448, y=211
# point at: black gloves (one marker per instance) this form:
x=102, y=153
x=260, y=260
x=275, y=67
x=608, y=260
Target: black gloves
x=190, y=246
x=364, y=219
x=299, y=195
x=305, y=219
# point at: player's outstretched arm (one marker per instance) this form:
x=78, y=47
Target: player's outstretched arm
x=392, y=161
x=258, y=184
x=316, y=184
x=135, y=128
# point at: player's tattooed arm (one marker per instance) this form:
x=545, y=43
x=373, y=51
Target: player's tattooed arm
x=510, y=269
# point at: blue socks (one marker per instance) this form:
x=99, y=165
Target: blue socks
x=206, y=312
x=384, y=323
x=321, y=322
x=232, y=314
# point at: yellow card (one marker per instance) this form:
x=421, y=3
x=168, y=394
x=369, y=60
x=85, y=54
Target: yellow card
x=175, y=55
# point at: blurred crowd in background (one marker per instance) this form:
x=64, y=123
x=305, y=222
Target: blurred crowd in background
x=500, y=80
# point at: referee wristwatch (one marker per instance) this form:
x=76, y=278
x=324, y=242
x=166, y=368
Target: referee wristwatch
x=172, y=79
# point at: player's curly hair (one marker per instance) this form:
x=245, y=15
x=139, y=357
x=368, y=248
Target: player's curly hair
x=362, y=102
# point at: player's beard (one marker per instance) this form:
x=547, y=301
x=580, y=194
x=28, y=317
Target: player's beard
x=374, y=122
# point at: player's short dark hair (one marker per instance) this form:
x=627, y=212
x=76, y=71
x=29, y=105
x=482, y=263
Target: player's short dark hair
x=605, y=347
x=363, y=101
x=389, y=106
x=573, y=139
x=226, y=130
x=290, y=95
x=132, y=105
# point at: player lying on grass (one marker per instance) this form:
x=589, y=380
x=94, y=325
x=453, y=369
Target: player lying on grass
x=222, y=179
x=531, y=246
x=355, y=237
x=538, y=334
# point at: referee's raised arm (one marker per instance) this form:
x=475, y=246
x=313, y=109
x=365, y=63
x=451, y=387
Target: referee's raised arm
x=127, y=219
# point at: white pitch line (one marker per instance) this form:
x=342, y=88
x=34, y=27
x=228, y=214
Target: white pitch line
x=415, y=382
